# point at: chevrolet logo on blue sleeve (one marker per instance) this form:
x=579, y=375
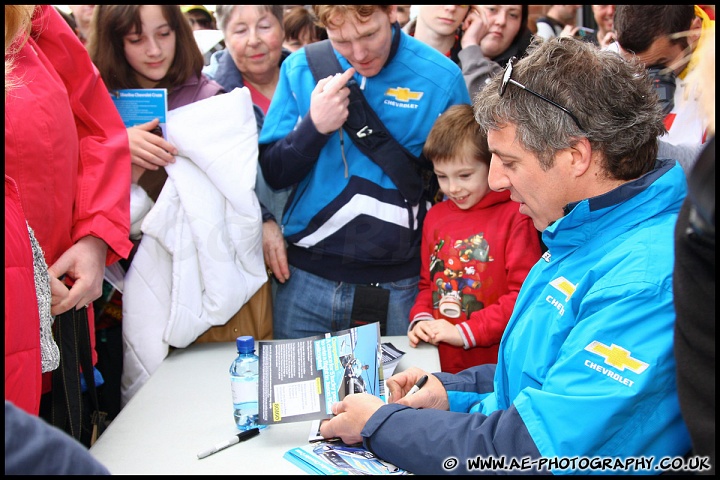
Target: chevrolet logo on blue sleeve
x=617, y=357
x=565, y=286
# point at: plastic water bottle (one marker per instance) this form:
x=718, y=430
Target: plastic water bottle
x=244, y=383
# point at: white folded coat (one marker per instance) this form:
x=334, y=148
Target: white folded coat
x=200, y=258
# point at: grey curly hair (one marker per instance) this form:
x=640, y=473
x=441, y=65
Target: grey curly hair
x=612, y=98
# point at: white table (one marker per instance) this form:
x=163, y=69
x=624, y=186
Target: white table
x=186, y=407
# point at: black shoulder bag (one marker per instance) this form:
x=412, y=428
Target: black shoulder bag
x=69, y=409
x=412, y=175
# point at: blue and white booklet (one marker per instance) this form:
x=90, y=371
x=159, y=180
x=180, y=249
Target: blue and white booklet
x=337, y=458
x=141, y=105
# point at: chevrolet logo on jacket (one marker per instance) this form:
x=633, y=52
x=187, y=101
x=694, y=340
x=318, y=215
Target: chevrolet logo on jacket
x=617, y=357
x=403, y=94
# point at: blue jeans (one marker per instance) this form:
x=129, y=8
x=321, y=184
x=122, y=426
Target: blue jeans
x=308, y=305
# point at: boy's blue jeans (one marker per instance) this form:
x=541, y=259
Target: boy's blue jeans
x=307, y=305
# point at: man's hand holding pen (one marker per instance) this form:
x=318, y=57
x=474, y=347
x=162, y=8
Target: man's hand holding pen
x=353, y=412
x=431, y=395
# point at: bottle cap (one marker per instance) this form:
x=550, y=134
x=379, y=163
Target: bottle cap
x=245, y=344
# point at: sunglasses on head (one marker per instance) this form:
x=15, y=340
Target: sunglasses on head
x=507, y=79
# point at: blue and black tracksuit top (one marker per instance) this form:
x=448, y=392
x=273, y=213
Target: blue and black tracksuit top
x=346, y=220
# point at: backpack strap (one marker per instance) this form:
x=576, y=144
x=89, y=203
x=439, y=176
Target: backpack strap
x=368, y=132
x=322, y=60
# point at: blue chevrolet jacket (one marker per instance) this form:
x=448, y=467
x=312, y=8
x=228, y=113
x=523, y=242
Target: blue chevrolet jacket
x=586, y=367
x=346, y=220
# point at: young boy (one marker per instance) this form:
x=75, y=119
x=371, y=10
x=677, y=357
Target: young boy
x=476, y=250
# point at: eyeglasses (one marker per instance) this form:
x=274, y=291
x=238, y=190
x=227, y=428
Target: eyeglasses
x=506, y=80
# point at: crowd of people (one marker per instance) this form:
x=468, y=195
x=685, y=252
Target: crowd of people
x=532, y=196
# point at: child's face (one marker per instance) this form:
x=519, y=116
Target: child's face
x=463, y=179
x=151, y=51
